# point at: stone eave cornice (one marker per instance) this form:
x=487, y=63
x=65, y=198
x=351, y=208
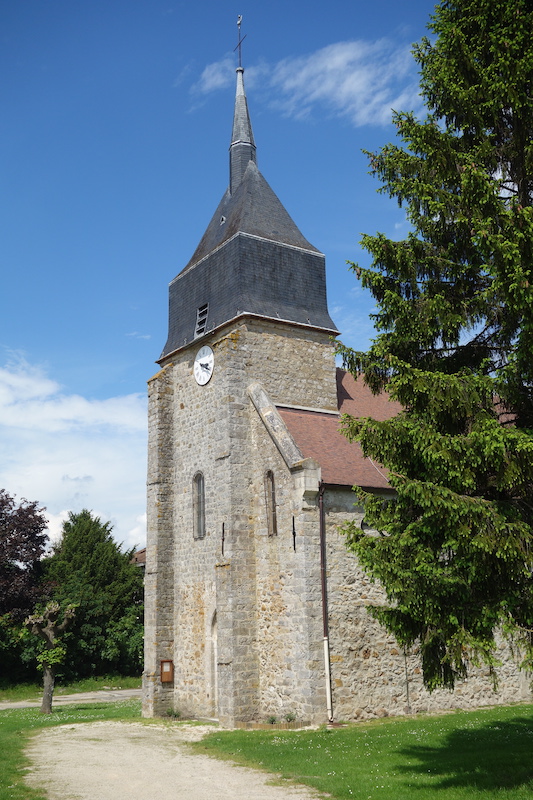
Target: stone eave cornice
x=241, y=315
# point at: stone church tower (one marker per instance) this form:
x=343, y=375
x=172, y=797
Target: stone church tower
x=253, y=606
x=248, y=323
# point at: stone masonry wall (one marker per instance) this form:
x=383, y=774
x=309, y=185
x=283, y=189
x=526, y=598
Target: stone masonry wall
x=208, y=438
x=272, y=598
x=295, y=365
x=371, y=676
x=289, y=627
x=214, y=633
x=241, y=619
x=159, y=575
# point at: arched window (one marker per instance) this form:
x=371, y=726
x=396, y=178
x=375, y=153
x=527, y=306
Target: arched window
x=270, y=503
x=198, y=505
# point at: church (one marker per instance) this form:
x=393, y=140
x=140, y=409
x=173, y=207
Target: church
x=254, y=607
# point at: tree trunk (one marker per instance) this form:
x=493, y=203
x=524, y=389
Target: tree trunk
x=48, y=689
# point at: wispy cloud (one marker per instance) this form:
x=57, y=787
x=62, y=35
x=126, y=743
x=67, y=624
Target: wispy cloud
x=69, y=452
x=358, y=80
x=218, y=75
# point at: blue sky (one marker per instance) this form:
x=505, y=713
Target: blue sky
x=114, y=131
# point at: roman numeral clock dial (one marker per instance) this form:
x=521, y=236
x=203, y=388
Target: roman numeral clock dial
x=204, y=364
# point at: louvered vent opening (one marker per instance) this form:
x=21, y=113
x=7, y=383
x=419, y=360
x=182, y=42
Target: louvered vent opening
x=201, y=320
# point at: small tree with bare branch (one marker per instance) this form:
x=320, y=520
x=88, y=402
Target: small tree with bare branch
x=47, y=628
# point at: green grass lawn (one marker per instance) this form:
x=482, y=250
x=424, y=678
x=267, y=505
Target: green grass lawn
x=482, y=754
x=17, y=725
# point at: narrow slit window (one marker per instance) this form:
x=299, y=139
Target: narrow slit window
x=198, y=504
x=201, y=319
x=270, y=501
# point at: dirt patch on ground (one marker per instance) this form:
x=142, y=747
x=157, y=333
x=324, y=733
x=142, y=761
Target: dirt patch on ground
x=133, y=761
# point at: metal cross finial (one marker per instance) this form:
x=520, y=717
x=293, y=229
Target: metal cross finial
x=240, y=41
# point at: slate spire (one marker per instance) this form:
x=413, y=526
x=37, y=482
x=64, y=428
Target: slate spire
x=242, y=149
x=252, y=260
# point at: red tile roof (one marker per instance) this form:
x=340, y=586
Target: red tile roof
x=355, y=398
x=139, y=557
x=318, y=435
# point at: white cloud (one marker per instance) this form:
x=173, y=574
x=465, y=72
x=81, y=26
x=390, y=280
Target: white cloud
x=218, y=75
x=69, y=452
x=55, y=525
x=402, y=227
x=359, y=80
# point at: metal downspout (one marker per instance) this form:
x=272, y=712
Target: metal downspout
x=324, y=586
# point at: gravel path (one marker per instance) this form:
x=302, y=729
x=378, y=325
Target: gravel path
x=133, y=761
x=104, y=695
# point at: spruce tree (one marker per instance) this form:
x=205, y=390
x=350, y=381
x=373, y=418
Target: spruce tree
x=89, y=571
x=454, y=345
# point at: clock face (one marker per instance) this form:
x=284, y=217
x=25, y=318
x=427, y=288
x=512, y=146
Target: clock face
x=204, y=364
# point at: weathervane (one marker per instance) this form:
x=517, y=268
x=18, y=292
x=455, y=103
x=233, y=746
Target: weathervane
x=240, y=41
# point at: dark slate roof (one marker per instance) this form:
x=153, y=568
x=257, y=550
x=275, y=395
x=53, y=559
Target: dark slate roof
x=249, y=276
x=318, y=435
x=253, y=209
x=252, y=259
x=242, y=148
x=242, y=127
